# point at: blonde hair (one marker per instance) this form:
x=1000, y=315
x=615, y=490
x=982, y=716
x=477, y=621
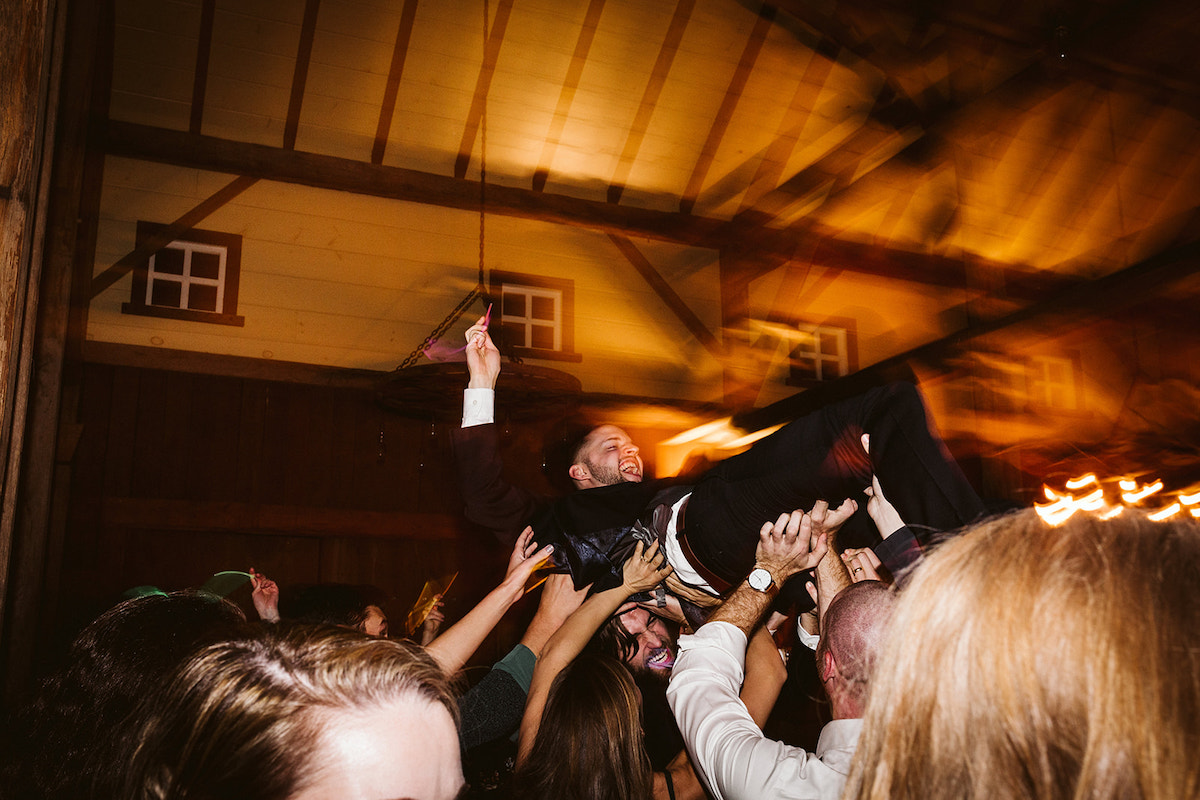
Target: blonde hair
x=1033, y=662
x=242, y=718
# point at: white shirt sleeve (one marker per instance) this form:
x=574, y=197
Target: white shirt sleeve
x=479, y=407
x=728, y=750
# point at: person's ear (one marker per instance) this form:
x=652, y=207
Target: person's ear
x=827, y=667
x=578, y=472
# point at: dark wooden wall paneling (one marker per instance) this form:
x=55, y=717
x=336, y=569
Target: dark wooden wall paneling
x=178, y=475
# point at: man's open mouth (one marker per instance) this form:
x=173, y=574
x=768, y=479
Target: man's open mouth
x=631, y=470
x=660, y=658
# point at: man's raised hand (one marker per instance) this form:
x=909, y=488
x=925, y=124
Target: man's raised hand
x=483, y=358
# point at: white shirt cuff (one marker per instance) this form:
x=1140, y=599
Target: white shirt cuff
x=479, y=407
x=807, y=639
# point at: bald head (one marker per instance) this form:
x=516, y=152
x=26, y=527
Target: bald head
x=853, y=630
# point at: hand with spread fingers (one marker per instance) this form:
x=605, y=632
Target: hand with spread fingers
x=788, y=546
x=645, y=569
x=525, y=558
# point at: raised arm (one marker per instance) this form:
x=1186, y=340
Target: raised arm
x=265, y=596
x=483, y=357
x=785, y=548
x=831, y=573
x=644, y=570
x=452, y=649
x=488, y=498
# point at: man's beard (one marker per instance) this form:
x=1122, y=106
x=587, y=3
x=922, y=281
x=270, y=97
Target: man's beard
x=607, y=476
x=654, y=675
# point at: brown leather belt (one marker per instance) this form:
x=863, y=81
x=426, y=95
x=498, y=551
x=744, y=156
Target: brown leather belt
x=717, y=583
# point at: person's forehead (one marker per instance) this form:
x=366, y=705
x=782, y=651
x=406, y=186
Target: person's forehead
x=637, y=616
x=604, y=433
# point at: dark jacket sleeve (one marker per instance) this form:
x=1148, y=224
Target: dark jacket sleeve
x=488, y=499
x=491, y=709
x=899, y=553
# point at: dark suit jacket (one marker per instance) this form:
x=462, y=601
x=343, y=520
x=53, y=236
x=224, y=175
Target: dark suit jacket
x=592, y=530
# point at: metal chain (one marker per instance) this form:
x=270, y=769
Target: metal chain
x=480, y=289
x=483, y=119
x=441, y=329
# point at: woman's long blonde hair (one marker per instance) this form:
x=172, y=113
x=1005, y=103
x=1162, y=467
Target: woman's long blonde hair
x=1027, y=661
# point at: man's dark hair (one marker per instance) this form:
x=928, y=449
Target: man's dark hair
x=75, y=736
x=562, y=450
x=331, y=603
x=613, y=640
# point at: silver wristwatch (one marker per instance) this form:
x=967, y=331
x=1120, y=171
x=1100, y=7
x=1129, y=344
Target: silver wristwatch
x=760, y=580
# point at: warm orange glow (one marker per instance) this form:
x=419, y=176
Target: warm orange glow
x=1134, y=497
x=1165, y=513
x=1058, y=512
x=1064, y=505
x=749, y=438
x=1093, y=501
x=1079, y=483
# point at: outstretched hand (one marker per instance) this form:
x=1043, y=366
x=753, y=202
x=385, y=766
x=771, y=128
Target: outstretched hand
x=788, y=546
x=483, y=357
x=265, y=596
x=828, y=521
x=862, y=564
x=646, y=568
x=525, y=557
x=885, y=516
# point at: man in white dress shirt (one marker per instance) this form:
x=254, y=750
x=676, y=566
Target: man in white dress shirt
x=728, y=750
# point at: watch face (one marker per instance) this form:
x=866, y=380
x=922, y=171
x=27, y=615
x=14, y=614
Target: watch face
x=760, y=579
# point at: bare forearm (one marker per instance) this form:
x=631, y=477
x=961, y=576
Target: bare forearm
x=452, y=649
x=765, y=674
x=745, y=608
x=832, y=577
x=573, y=635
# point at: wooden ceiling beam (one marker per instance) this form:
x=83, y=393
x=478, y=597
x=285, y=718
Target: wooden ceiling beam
x=483, y=84
x=391, y=89
x=720, y=124
x=170, y=233
x=208, y=10
x=669, y=296
x=566, y=95
x=771, y=166
x=767, y=248
x=654, y=86
x=166, y=146
x=308, y=32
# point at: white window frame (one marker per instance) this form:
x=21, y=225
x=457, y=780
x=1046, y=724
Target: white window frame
x=187, y=279
x=1044, y=390
x=813, y=351
x=528, y=321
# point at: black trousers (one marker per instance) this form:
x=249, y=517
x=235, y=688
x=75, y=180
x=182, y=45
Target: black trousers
x=820, y=456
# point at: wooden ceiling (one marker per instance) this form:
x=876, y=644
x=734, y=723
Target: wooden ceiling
x=1037, y=155
x=1029, y=136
